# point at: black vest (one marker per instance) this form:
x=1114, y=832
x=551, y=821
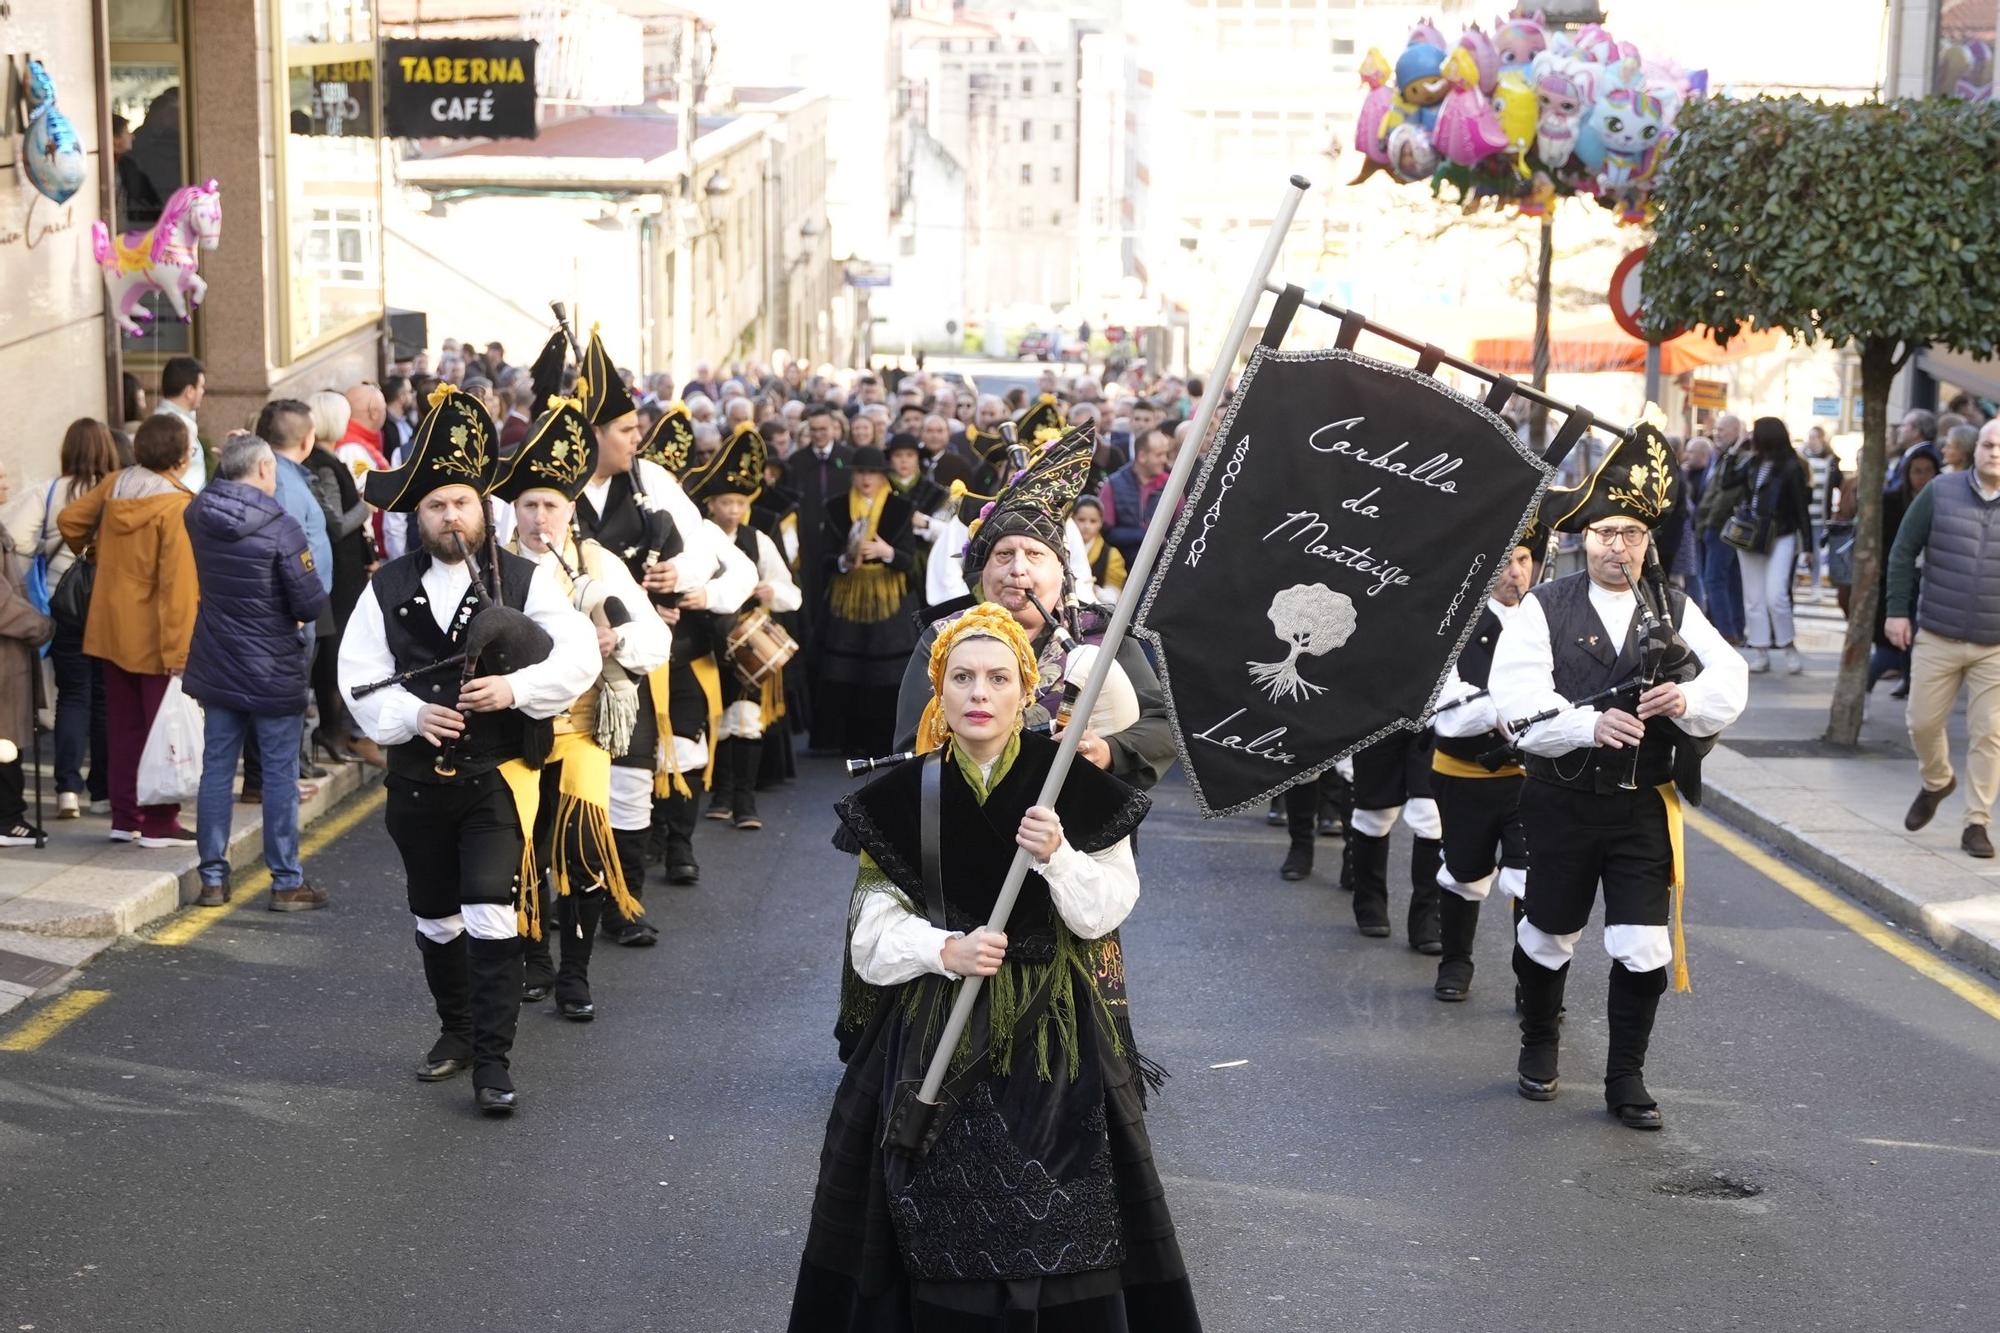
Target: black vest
x=629, y=530
x=1475, y=665
x=1586, y=661
x=415, y=640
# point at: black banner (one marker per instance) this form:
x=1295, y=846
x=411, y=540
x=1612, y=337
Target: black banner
x=458, y=89
x=1327, y=566
x=335, y=100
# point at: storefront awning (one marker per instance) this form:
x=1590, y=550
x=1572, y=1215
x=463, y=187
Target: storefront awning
x=1601, y=347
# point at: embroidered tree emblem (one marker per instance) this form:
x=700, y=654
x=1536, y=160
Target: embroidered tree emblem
x=1312, y=619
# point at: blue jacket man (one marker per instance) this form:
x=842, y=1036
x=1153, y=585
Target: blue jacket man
x=260, y=589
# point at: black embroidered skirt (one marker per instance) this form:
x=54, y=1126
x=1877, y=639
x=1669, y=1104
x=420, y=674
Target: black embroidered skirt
x=1039, y=1209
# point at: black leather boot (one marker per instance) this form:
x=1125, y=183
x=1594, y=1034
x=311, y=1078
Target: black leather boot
x=1630, y=1007
x=1368, y=860
x=1540, y=993
x=579, y=914
x=1426, y=857
x=1336, y=803
x=1458, y=926
x=451, y=990
x=538, y=965
x=743, y=805
x=633, y=934
x=1300, y=802
x=723, y=788
x=495, y=967
x=680, y=821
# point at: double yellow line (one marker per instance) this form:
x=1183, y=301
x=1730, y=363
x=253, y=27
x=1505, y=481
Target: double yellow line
x=186, y=927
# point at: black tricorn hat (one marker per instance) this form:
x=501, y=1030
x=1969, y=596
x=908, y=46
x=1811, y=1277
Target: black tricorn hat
x=598, y=385
x=737, y=468
x=902, y=439
x=670, y=442
x=1638, y=480
x=1536, y=537
x=1040, y=422
x=547, y=372
x=1037, y=503
x=559, y=454
x=455, y=445
x=868, y=458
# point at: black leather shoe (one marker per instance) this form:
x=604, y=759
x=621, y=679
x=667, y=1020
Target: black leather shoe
x=1975, y=842
x=634, y=935
x=1275, y=816
x=437, y=1071
x=1374, y=931
x=1329, y=827
x=1429, y=948
x=1926, y=805
x=683, y=872
x=495, y=1101
x=577, y=1011
x=1535, y=1090
x=1298, y=863
x=1636, y=1117
x=537, y=991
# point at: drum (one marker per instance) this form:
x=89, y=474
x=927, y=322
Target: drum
x=757, y=647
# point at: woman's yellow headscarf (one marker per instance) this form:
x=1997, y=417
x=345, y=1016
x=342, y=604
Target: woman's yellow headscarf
x=985, y=621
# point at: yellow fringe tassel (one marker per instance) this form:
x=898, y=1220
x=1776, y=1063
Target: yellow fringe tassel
x=868, y=594
x=1677, y=836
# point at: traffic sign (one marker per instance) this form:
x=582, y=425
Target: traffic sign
x=1627, y=297
x=1710, y=394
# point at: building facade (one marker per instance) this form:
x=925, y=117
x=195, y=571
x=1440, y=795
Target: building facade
x=271, y=99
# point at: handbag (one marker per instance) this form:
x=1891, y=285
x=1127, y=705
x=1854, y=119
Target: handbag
x=38, y=568
x=1746, y=529
x=69, y=604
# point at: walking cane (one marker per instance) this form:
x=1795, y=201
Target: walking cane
x=41, y=832
x=910, y=1131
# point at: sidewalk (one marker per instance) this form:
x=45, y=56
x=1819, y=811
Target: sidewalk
x=62, y=905
x=1839, y=815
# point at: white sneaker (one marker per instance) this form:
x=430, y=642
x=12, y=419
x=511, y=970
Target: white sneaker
x=68, y=805
x=100, y=807
x=124, y=835
x=1794, y=664
x=1760, y=661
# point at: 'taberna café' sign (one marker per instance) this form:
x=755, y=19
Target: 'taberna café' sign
x=458, y=89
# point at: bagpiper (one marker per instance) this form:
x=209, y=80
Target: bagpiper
x=575, y=848
x=450, y=722
x=1602, y=801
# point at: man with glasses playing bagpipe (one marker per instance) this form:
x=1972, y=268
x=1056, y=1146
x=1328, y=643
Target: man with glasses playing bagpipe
x=456, y=657
x=1615, y=686
x=575, y=848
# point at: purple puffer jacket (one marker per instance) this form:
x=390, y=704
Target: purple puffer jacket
x=257, y=585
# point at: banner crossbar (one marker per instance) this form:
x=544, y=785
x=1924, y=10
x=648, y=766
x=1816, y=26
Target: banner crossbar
x=1435, y=355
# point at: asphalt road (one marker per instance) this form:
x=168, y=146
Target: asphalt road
x=232, y=1140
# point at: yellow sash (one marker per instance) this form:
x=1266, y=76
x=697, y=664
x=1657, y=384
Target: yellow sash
x=1453, y=767
x=1677, y=836
x=583, y=817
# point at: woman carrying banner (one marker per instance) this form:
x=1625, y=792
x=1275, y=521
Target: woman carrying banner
x=1036, y=1192
x=1602, y=803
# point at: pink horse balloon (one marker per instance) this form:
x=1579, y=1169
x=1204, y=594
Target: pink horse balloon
x=162, y=259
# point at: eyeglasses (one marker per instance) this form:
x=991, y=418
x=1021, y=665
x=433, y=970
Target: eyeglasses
x=1619, y=536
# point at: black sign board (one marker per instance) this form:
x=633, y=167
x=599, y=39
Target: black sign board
x=458, y=89
x=334, y=100
x=1327, y=566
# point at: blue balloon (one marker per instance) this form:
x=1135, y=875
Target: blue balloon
x=51, y=149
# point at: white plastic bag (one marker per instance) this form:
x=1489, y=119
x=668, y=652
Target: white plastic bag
x=170, y=765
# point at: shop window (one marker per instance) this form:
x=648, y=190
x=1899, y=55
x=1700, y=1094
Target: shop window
x=149, y=147
x=330, y=172
x=1967, y=32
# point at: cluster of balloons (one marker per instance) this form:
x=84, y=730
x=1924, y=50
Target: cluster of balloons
x=1525, y=116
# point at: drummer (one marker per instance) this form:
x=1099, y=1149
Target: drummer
x=727, y=484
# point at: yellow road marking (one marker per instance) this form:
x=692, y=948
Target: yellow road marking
x=1980, y=996
x=192, y=921
x=52, y=1018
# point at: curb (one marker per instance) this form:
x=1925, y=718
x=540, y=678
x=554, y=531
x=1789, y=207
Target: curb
x=1904, y=906
x=87, y=907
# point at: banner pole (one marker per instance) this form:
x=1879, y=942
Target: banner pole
x=1121, y=615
